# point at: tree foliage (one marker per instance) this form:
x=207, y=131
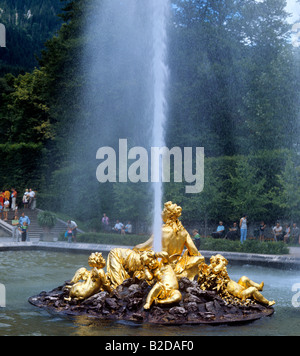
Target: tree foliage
x=28, y=25
x=234, y=89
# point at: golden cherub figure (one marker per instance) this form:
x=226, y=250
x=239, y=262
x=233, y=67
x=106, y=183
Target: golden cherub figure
x=215, y=276
x=174, y=239
x=87, y=283
x=166, y=288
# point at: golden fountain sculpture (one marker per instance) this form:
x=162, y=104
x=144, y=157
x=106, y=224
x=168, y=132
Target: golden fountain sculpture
x=166, y=288
x=163, y=269
x=174, y=239
x=93, y=281
x=215, y=277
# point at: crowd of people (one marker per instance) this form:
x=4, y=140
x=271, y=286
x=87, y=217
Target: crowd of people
x=119, y=227
x=276, y=233
x=238, y=231
x=29, y=199
x=8, y=201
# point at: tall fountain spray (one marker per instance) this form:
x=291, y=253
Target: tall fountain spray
x=160, y=13
x=126, y=75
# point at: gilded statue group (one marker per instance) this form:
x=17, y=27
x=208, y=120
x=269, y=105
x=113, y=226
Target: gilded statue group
x=179, y=258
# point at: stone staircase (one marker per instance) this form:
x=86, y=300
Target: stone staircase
x=34, y=230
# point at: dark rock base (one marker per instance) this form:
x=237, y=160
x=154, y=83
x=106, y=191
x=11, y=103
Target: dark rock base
x=127, y=301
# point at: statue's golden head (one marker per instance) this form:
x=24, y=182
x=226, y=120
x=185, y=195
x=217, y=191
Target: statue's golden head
x=147, y=256
x=220, y=261
x=171, y=211
x=96, y=260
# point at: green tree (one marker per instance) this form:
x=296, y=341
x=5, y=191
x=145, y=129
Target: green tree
x=234, y=88
x=286, y=194
x=27, y=109
x=132, y=202
x=28, y=25
x=248, y=192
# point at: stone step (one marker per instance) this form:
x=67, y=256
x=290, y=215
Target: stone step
x=35, y=231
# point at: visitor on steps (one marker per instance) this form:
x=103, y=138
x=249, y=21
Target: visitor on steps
x=72, y=227
x=24, y=218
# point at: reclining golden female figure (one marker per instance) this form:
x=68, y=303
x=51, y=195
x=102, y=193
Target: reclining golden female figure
x=165, y=289
x=215, y=276
x=93, y=281
x=174, y=239
x=123, y=263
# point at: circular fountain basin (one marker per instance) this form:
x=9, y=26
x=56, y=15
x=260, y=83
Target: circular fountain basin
x=26, y=273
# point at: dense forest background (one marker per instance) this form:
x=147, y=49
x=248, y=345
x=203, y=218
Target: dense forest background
x=234, y=90
x=28, y=25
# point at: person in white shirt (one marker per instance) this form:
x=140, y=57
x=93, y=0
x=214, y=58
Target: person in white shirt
x=118, y=226
x=31, y=202
x=277, y=230
x=6, y=209
x=72, y=226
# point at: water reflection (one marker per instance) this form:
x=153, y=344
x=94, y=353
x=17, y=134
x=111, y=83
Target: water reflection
x=25, y=273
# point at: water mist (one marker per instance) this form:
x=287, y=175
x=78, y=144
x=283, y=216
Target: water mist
x=160, y=72
x=127, y=74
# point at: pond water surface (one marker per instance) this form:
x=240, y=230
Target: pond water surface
x=27, y=273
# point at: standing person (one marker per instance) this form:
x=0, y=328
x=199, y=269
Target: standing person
x=69, y=234
x=277, y=231
x=243, y=227
x=72, y=226
x=24, y=222
x=6, y=209
x=262, y=228
x=25, y=199
x=1, y=203
x=23, y=229
x=31, y=196
x=7, y=196
x=105, y=222
x=295, y=234
x=15, y=224
x=13, y=199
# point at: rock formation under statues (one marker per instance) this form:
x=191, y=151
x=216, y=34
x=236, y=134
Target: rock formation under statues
x=172, y=286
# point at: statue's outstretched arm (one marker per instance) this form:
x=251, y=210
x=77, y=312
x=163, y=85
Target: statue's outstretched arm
x=193, y=251
x=145, y=245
